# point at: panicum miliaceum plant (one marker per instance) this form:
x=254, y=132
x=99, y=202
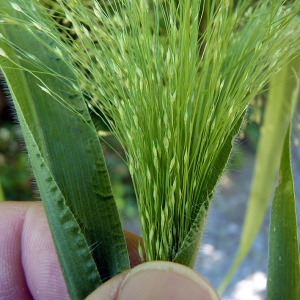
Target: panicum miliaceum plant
x=175, y=95
x=172, y=80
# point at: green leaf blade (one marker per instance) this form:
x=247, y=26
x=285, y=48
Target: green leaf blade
x=52, y=111
x=2, y=198
x=63, y=224
x=284, y=272
x=276, y=121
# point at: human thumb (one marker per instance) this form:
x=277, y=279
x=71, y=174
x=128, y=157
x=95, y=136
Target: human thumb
x=156, y=280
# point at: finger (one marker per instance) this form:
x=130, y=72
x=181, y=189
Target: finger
x=12, y=279
x=37, y=263
x=133, y=242
x=42, y=269
x=156, y=280
x=40, y=262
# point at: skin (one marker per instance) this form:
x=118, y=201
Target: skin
x=29, y=267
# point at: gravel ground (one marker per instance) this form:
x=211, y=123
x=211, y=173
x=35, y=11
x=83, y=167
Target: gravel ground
x=221, y=237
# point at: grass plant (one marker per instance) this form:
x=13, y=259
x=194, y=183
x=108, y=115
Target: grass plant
x=164, y=95
x=171, y=79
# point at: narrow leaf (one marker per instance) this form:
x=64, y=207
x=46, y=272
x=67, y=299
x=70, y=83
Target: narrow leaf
x=284, y=272
x=76, y=260
x=54, y=115
x=1, y=193
x=276, y=121
x=188, y=251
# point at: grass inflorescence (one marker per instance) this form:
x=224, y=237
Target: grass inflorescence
x=173, y=80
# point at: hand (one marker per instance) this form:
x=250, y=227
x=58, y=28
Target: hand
x=29, y=267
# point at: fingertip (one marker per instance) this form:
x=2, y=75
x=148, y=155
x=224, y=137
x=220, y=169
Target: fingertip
x=39, y=258
x=156, y=280
x=12, y=279
x=109, y=290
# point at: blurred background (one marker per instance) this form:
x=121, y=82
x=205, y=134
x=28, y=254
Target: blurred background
x=226, y=215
